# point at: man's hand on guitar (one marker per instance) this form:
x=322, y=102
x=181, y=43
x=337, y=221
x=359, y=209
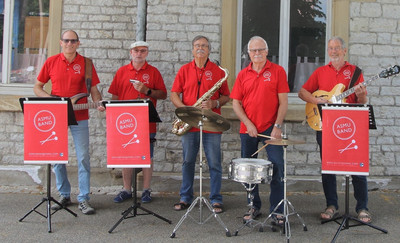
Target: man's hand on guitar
x=100, y=107
x=320, y=100
x=361, y=93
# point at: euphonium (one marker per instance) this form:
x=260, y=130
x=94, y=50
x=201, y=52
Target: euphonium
x=180, y=127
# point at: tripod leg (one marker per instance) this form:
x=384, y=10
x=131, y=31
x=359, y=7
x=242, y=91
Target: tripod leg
x=62, y=207
x=154, y=214
x=126, y=212
x=298, y=216
x=33, y=209
x=184, y=217
x=345, y=220
x=228, y=233
x=368, y=224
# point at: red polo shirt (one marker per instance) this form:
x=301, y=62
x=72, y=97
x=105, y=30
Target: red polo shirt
x=258, y=93
x=68, y=79
x=326, y=78
x=122, y=87
x=192, y=82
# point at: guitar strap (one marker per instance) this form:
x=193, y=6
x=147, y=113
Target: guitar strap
x=356, y=74
x=88, y=74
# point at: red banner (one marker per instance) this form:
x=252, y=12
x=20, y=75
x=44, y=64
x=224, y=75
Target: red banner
x=128, y=138
x=45, y=132
x=345, y=140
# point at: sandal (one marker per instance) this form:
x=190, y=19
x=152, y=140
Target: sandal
x=253, y=213
x=364, y=216
x=279, y=220
x=217, y=207
x=181, y=206
x=329, y=213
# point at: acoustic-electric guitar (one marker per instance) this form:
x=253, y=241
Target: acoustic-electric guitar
x=337, y=96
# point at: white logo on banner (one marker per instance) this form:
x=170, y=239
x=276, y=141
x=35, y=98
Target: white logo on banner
x=344, y=128
x=126, y=124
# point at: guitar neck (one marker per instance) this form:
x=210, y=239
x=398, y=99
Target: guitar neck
x=351, y=90
x=90, y=105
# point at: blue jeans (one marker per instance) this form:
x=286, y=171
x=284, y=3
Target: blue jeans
x=360, y=186
x=249, y=145
x=212, y=149
x=80, y=134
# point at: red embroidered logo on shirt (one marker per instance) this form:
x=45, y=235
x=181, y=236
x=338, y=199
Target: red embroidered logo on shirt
x=267, y=76
x=208, y=75
x=347, y=74
x=146, y=78
x=77, y=68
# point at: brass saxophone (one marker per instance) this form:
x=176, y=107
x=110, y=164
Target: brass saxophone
x=180, y=127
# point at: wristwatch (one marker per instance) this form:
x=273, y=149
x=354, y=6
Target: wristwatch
x=148, y=92
x=278, y=126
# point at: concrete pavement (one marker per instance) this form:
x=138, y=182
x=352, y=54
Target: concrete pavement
x=383, y=205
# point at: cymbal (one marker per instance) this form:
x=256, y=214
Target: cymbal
x=283, y=142
x=211, y=121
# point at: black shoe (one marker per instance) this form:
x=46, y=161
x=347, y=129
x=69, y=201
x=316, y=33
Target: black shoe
x=64, y=201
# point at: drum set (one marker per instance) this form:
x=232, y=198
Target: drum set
x=248, y=171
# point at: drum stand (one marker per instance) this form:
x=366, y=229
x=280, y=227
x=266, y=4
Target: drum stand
x=286, y=204
x=200, y=199
x=47, y=199
x=346, y=217
x=249, y=188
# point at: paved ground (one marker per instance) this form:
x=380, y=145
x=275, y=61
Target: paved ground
x=384, y=206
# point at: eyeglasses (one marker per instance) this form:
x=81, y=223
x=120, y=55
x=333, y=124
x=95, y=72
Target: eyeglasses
x=197, y=46
x=141, y=51
x=257, y=50
x=336, y=48
x=72, y=41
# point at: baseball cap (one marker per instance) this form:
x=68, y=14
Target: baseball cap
x=139, y=43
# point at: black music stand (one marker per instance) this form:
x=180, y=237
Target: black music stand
x=153, y=117
x=49, y=198
x=345, y=224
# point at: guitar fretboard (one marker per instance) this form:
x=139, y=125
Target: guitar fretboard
x=85, y=106
x=351, y=90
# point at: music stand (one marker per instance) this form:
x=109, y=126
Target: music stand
x=49, y=198
x=153, y=117
x=345, y=224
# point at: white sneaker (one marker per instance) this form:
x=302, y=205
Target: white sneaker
x=86, y=208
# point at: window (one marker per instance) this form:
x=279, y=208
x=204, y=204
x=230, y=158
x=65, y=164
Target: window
x=24, y=28
x=295, y=31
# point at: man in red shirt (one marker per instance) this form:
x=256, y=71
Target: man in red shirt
x=67, y=74
x=326, y=78
x=191, y=82
x=138, y=80
x=260, y=101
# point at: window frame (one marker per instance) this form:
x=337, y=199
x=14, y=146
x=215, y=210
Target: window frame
x=55, y=20
x=338, y=12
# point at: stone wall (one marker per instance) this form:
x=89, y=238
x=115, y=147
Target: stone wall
x=107, y=28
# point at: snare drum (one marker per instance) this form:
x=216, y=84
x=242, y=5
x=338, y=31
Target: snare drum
x=250, y=170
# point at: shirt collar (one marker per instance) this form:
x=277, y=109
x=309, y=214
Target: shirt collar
x=142, y=68
x=266, y=66
x=65, y=59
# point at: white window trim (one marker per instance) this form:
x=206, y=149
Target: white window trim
x=5, y=87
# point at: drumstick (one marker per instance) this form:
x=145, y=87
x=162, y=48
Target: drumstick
x=259, y=149
x=265, y=136
x=262, y=135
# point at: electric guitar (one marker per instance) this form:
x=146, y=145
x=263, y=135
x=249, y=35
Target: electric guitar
x=337, y=96
x=77, y=97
